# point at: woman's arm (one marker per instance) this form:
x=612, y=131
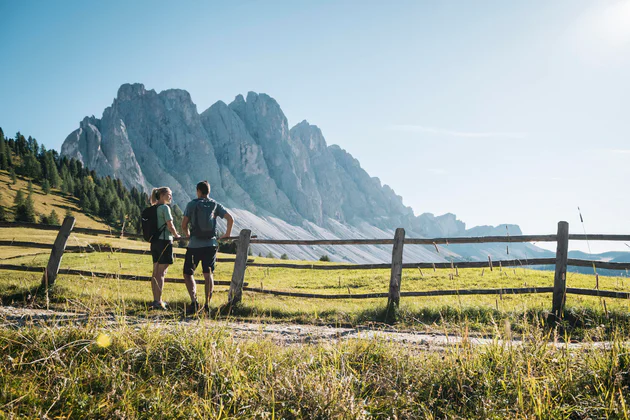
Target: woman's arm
x=171, y=227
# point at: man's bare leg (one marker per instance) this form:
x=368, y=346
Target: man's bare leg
x=191, y=286
x=209, y=287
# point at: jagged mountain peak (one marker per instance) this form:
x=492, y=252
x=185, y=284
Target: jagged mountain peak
x=273, y=177
x=129, y=91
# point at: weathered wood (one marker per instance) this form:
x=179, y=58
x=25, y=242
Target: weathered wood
x=560, y=277
x=115, y=276
x=599, y=264
x=599, y=293
x=397, y=267
x=509, y=290
x=463, y=264
x=240, y=263
x=89, y=249
x=24, y=244
x=108, y=232
x=323, y=241
x=598, y=237
x=410, y=241
x=481, y=239
x=50, y=274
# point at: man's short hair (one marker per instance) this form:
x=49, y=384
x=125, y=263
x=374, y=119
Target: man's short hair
x=204, y=187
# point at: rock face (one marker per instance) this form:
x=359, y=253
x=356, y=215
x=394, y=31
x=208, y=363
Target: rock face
x=281, y=182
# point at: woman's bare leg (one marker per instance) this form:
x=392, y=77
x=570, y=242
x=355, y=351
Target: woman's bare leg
x=157, y=291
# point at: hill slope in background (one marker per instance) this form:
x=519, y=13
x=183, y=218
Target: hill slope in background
x=280, y=181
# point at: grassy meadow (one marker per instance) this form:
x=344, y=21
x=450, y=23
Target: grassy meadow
x=99, y=369
x=480, y=312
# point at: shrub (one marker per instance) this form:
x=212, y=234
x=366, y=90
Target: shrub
x=284, y=257
x=324, y=258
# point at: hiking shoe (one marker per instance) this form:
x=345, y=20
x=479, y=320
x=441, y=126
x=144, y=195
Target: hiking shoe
x=162, y=306
x=192, y=309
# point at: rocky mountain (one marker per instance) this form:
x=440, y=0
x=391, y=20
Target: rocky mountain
x=279, y=181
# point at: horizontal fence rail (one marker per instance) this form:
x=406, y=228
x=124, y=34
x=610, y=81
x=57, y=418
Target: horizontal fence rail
x=88, y=273
x=449, y=292
x=452, y=292
x=457, y=264
x=88, y=231
x=96, y=248
x=410, y=241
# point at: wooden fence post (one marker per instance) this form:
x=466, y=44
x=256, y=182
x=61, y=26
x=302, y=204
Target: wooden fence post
x=52, y=269
x=236, y=286
x=397, y=261
x=560, y=278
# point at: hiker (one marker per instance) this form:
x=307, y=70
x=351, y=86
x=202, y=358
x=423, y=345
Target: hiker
x=202, y=213
x=152, y=199
x=162, y=245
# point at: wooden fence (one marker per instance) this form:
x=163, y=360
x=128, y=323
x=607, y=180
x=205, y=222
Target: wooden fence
x=237, y=284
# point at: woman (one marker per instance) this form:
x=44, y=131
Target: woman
x=162, y=248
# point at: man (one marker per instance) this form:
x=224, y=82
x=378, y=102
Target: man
x=202, y=213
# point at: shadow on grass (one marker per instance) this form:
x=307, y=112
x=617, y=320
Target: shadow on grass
x=35, y=296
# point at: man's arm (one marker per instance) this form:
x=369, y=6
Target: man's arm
x=230, y=222
x=185, y=231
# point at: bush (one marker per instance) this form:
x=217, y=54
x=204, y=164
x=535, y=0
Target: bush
x=324, y=258
x=270, y=255
x=284, y=257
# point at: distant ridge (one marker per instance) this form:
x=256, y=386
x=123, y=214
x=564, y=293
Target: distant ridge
x=280, y=181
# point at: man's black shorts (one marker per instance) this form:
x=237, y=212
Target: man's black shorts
x=207, y=256
x=162, y=251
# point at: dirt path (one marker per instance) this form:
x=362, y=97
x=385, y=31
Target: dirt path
x=281, y=333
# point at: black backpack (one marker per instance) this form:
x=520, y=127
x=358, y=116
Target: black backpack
x=150, y=230
x=204, y=220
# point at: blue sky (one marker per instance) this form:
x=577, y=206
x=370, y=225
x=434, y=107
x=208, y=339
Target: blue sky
x=499, y=112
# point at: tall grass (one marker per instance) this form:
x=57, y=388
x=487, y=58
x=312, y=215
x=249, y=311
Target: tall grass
x=155, y=371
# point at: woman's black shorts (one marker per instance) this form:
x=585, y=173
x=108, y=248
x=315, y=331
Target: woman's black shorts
x=162, y=251
x=207, y=256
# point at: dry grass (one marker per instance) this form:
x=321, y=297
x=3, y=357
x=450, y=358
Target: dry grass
x=101, y=371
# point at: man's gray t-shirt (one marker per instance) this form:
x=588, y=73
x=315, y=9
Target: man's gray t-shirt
x=188, y=212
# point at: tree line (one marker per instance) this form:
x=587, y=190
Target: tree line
x=98, y=196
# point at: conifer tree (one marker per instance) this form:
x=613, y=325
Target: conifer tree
x=3, y=152
x=19, y=198
x=46, y=186
x=3, y=214
x=26, y=211
x=13, y=176
x=53, y=219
